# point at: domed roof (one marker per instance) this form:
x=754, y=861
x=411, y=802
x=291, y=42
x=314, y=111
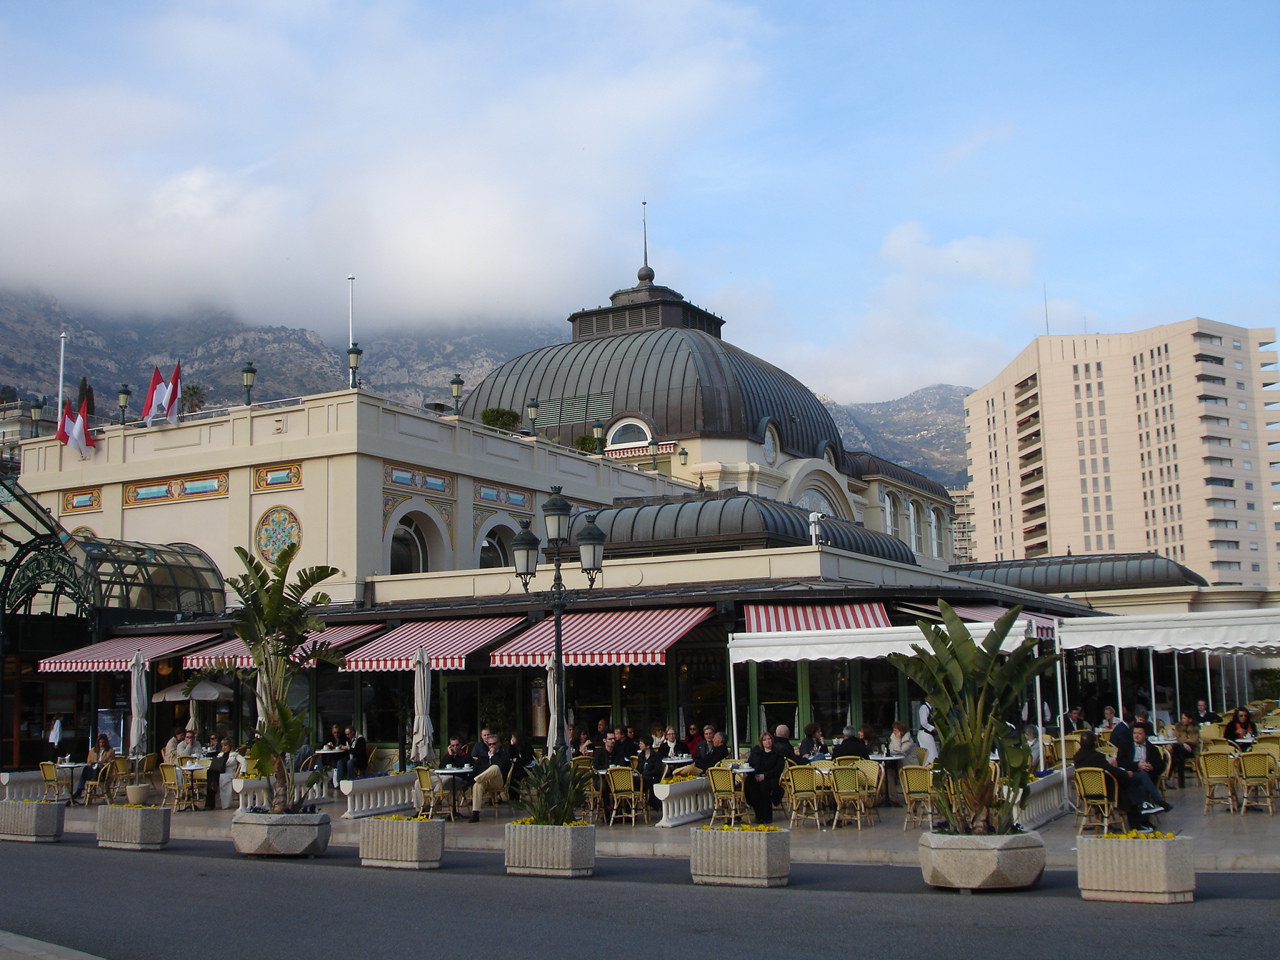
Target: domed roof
x=1107, y=571
x=684, y=382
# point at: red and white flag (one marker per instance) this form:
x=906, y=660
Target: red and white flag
x=162, y=397
x=73, y=429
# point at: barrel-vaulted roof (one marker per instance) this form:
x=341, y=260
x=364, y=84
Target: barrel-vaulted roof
x=1112, y=571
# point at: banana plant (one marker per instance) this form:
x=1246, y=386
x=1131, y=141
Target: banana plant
x=973, y=687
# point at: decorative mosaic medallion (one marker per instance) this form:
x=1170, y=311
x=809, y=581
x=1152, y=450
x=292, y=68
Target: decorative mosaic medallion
x=277, y=528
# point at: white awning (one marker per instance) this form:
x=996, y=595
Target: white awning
x=866, y=644
x=1220, y=631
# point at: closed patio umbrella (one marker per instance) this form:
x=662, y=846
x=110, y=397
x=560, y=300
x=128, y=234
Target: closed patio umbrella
x=421, y=747
x=138, y=690
x=203, y=690
x=555, y=728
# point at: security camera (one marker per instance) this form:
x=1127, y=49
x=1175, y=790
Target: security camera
x=817, y=517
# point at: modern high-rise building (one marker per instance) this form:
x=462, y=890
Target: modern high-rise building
x=962, y=538
x=1121, y=443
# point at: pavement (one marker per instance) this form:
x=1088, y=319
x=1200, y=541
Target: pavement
x=1225, y=841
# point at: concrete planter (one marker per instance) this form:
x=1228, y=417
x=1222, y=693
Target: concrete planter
x=982, y=863
x=281, y=834
x=535, y=850
x=406, y=844
x=1137, y=871
x=133, y=828
x=740, y=858
x=137, y=792
x=32, y=822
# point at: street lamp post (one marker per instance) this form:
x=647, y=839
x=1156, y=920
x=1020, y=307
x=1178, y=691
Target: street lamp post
x=653, y=452
x=684, y=457
x=122, y=398
x=353, y=362
x=455, y=388
x=531, y=411
x=37, y=412
x=248, y=373
x=556, y=513
x=597, y=431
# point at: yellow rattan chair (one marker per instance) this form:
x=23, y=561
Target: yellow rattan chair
x=1210, y=731
x=593, y=797
x=49, y=777
x=1107, y=750
x=119, y=776
x=922, y=756
x=1072, y=744
x=873, y=775
x=179, y=791
x=851, y=796
x=1217, y=770
x=802, y=794
x=916, y=783
x=1257, y=781
x=628, y=799
x=1269, y=745
x=100, y=789
x=1097, y=801
x=726, y=796
x=430, y=791
x=1104, y=736
x=1217, y=746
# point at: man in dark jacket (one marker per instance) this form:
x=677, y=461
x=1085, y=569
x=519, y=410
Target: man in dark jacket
x=1088, y=756
x=708, y=760
x=1143, y=762
x=851, y=746
x=490, y=769
x=782, y=741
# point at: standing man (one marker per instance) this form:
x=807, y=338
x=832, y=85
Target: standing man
x=55, y=737
x=928, y=737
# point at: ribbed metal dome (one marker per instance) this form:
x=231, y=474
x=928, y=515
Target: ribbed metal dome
x=687, y=383
x=863, y=465
x=1116, y=571
x=736, y=521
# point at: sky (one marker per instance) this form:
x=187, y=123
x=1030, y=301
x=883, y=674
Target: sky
x=875, y=196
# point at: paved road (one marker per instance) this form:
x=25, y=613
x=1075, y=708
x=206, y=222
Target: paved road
x=200, y=900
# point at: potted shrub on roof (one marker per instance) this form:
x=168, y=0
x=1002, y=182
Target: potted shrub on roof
x=972, y=687
x=273, y=623
x=549, y=841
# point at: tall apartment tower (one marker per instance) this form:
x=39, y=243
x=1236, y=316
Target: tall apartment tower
x=1131, y=442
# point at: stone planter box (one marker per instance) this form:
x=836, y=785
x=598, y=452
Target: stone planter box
x=133, y=828
x=982, y=863
x=281, y=834
x=31, y=822
x=1136, y=871
x=740, y=858
x=534, y=850
x=406, y=844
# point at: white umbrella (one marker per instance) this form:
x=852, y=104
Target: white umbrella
x=555, y=727
x=138, y=689
x=203, y=690
x=422, y=748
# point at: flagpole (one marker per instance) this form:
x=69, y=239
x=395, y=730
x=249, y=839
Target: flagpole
x=351, y=303
x=62, y=365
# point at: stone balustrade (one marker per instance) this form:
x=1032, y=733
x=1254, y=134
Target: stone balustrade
x=22, y=785
x=1043, y=803
x=256, y=791
x=373, y=796
x=684, y=802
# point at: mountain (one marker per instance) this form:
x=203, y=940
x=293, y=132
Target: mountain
x=923, y=430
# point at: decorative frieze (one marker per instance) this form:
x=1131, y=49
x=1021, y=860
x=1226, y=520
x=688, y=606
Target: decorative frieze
x=199, y=487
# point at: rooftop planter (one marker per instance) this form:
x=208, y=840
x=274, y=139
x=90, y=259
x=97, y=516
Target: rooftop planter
x=133, y=828
x=31, y=821
x=740, y=857
x=402, y=843
x=1153, y=868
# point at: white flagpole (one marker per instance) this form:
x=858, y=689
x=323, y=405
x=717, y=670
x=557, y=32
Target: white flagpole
x=351, y=308
x=62, y=365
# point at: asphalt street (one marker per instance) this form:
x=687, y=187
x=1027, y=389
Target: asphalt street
x=200, y=900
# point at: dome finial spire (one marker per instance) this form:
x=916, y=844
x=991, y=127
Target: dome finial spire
x=645, y=273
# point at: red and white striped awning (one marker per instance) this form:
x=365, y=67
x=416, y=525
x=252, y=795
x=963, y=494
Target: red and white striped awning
x=114, y=655
x=991, y=612
x=621, y=637
x=447, y=642
x=803, y=617
x=234, y=650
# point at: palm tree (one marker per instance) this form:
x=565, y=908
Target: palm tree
x=274, y=624
x=192, y=398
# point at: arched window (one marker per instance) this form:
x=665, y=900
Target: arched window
x=938, y=525
x=493, y=552
x=408, y=548
x=918, y=541
x=628, y=433
x=892, y=516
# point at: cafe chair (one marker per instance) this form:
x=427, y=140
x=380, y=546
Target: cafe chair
x=100, y=788
x=119, y=777
x=1210, y=731
x=177, y=790
x=430, y=791
x=726, y=796
x=1257, y=781
x=800, y=784
x=922, y=756
x=628, y=800
x=844, y=761
x=873, y=774
x=1217, y=746
x=49, y=778
x=917, y=795
x=1097, y=801
x=1217, y=770
x=500, y=793
x=850, y=795
x=150, y=769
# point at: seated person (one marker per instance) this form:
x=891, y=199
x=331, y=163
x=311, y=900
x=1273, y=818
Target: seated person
x=1087, y=756
x=1187, y=733
x=221, y=771
x=851, y=746
x=692, y=737
x=170, y=752
x=189, y=748
x=1204, y=715
x=491, y=769
x=708, y=760
x=454, y=755
x=1143, y=762
x=812, y=744
x=624, y=741
x=1031, y=736
x=480, y=747
x=609, y=754
x=901, y=744
x=99, y=757
x=1142, y=718
x=782, y=741
x=1240, y=725
x=356, y=762
x=650, y=768
x=573, y=739
x=868, y=734
x=1075, y=720
x=336, y=740
x=671, y=745
x=705, y=745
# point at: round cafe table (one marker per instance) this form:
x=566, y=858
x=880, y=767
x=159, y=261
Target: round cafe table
x=453, y=773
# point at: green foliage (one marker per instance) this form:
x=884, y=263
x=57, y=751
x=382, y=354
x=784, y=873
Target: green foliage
x=500, y=418
x=1266, y=683
x=552, y=791
x=972, y=688
x=585, y=442
x=192, y=398
x=8, y=394
x=273, y=623
x=85, y=393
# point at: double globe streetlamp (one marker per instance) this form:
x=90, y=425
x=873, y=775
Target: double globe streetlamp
x=557, y=518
